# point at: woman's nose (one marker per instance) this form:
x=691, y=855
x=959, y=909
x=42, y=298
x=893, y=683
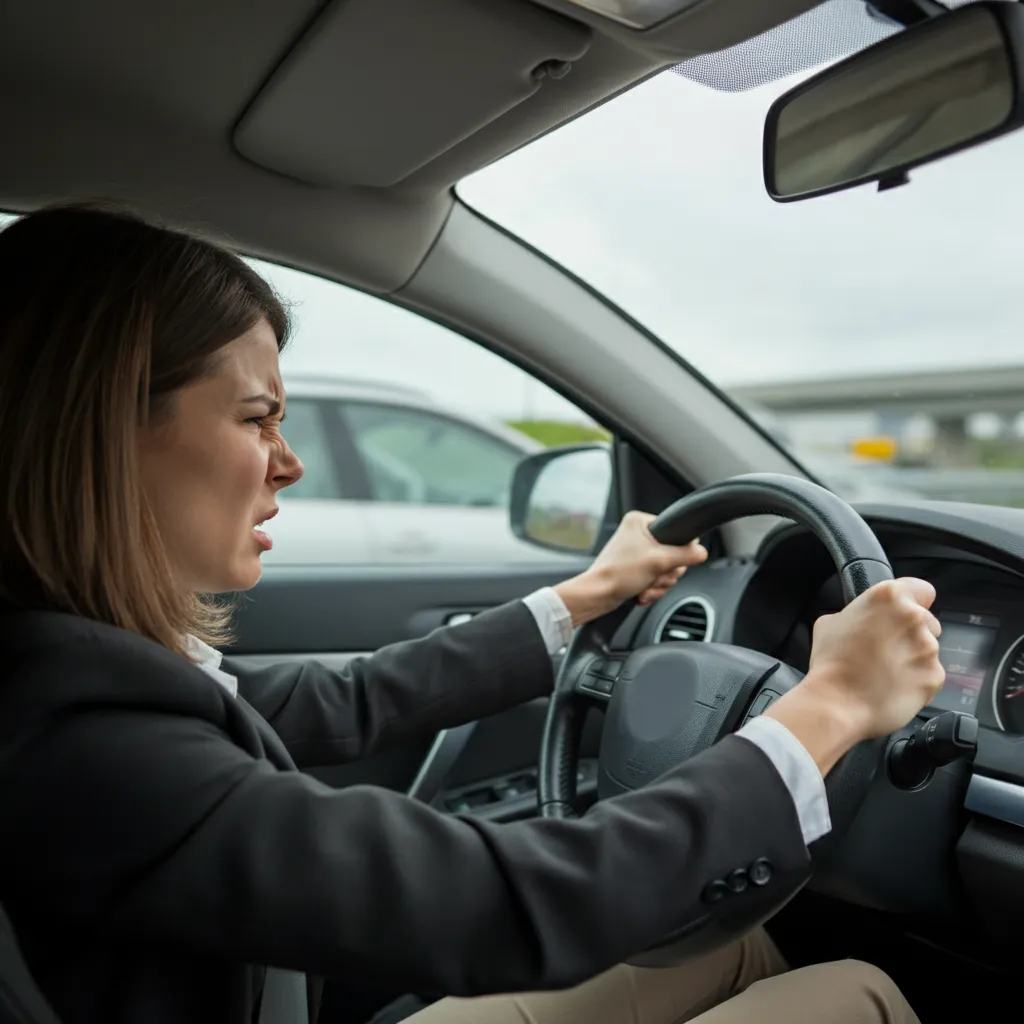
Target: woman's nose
x=286, y=469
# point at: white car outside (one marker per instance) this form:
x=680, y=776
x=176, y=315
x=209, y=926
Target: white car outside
x=393, y=477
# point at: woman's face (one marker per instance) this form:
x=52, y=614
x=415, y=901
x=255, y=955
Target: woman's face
x=212, y=467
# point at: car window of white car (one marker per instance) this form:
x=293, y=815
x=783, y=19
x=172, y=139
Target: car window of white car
x=306, y=431
x=422, y=458
x=409, y=433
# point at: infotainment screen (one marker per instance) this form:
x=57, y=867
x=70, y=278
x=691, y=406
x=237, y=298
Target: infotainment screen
x=965, y=650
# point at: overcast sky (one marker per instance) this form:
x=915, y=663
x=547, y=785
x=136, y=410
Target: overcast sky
x=657, y=199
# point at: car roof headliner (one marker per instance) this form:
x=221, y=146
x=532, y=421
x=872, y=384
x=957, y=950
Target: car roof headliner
x=322, y=135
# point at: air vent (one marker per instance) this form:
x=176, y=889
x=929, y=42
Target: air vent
x=692, y=619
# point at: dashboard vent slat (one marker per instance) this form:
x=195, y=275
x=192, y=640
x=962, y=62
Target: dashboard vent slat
x=691, y=620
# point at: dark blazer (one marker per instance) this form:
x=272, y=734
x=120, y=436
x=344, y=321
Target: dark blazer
x=160, y=843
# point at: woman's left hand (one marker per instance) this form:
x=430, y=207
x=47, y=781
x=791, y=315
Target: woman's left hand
x=631, y=564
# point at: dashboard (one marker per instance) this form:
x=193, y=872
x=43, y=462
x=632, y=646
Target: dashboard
x=956, y=844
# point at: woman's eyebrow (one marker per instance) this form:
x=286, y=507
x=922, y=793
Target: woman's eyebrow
x=273, y=404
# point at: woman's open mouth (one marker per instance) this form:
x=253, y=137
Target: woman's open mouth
x=262, y=538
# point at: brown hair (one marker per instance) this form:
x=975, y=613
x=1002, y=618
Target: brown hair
x=103, y=316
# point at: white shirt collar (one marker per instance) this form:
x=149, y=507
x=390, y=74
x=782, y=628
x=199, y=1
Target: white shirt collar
x=208, y=659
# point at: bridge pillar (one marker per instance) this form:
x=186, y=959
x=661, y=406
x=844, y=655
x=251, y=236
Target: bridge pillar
x=952, y=442
x=891, y=423
x=1008, y=426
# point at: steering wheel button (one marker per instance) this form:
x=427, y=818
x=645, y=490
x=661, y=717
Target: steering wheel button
x=760, y=872
x=597, y=684
x=738, y=880
x=714, y=891
x=608, y=668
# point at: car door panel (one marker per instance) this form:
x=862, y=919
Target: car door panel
x=337, y=613
x=338, y=609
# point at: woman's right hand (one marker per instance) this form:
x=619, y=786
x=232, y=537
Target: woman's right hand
x=874, y=666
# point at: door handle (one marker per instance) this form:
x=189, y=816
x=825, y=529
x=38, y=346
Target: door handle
x=428, y=619
x=411, y=544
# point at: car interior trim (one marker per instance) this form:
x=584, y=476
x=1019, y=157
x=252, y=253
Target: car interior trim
x=499, y=292
x=446, y=749
x=995, y=798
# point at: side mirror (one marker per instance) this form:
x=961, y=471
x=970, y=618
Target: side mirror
x=562, y=498
x=940, y=86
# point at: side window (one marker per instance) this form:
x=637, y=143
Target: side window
x=422, y=458
x=305, y=429
x=418, y=428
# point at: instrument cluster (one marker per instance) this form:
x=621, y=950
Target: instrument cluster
x=981, y=610
x=982, y=651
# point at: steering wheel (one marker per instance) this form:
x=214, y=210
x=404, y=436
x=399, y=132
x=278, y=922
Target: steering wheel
x=665, y=703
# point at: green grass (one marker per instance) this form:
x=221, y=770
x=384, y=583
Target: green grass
x=552, y=433
x=996, y=454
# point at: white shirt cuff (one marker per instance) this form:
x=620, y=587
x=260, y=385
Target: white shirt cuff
x=552, y=617
x=798, y=771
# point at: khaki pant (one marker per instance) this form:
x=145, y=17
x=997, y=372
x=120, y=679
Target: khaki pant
x=747, y=983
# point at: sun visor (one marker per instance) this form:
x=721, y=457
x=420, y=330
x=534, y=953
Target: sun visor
x=376, y=89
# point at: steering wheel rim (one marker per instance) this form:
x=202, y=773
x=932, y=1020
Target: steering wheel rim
x=860, y=562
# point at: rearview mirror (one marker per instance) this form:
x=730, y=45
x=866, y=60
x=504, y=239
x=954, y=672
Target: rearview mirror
x=561, y=498
x=943, y=85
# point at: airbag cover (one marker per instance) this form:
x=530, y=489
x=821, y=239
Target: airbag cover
x=670, y=702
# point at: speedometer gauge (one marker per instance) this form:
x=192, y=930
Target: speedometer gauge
x=1008, y=692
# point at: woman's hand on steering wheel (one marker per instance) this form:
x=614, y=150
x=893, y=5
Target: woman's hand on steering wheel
x=631, y=564
x=874, y=665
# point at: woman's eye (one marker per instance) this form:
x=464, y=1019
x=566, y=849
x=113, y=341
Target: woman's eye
x=258, y=420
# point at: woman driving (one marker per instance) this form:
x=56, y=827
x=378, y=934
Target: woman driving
x=169, y=860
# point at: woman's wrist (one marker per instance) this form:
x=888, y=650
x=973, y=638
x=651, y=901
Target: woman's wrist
x=825, y=721
x=588, y=596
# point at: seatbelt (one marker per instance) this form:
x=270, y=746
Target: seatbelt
x=284, y=998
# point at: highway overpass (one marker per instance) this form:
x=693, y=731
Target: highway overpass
x=947, y=397
x=939, y=394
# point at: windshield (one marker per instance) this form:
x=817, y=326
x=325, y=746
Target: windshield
x=877, y=335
